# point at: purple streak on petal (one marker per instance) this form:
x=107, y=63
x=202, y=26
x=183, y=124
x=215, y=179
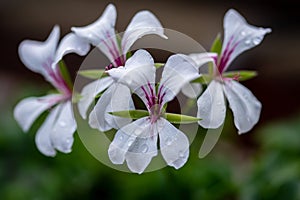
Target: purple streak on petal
x=215, y=59
x=113, y=52
x=57, y=79
x=228, y=55
x=159, y=94
x=119, y=59
x=230, y=47
x=153, y=97
x=224, y=55
x=147, y=97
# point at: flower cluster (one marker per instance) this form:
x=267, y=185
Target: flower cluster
x=137, y=138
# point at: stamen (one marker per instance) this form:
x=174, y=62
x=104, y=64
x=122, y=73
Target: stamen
x=108, y=67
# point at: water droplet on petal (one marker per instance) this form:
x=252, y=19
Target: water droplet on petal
x=138, y=131
x=144, y=148
x=130, y=142
x=121, y=137
x=181, y=154
x=219, y=103
x=113, y=153
x=168, y=141
x=243, y=33
x=62, y=123
x=247, y=42
x=68, y=141
x=256, y=40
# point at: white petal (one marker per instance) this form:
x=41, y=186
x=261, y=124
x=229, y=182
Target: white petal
x=116, y=98
x=174, y=144
x=97, y=115
x=125, y=138
x=202, y=58
x=211, y=106
x=121, y=100
x=27, y=111
x=64, y=128
x=244, y=105
x=178, y=71
x=143, y=23
x=192, y=90
x=43, y=136
x=240, y=36
x=37, y=55
x=90, y=91
x=143, y=149
x=138, y=71
x=71, y=43
x=101, y=33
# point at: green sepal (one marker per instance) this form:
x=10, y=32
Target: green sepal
x=240, y=75
x=180, y=119
x=216, y=47
x=76, y=97
x=133, y=114
x=128, y=55
x=65, y=73
x=159, y=65
x=93, y=73
x=171, y=117
x=204, y=79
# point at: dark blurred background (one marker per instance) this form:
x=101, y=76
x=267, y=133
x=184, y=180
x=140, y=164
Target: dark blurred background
x=262, y=164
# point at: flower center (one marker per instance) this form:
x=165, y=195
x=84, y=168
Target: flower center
x=154, y=102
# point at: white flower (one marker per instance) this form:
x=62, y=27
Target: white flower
x=102, y=34
x=239, y=36
x=137, y=142
x=56, y=133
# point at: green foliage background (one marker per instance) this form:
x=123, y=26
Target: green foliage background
x=267, y=168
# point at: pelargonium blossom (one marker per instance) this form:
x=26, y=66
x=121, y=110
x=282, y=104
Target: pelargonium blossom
x=56, y=132
x=102, y=34
x=137, y=142
x=239, y=36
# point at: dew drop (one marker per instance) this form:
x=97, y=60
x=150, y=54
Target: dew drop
x=121, y=137
x=62, y=123
x=113, y=153
x=168, y=141
x=181, y=154
x=130, y=142
x=256, y=40
x=68, y=141
x=247, y=42
x=144, y=148
x=219, y=103
x=243, y=33
x=138, y=131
